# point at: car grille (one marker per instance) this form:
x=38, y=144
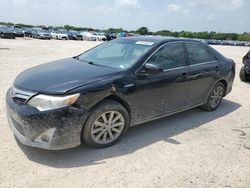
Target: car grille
x=17, y=126
x=20, y=96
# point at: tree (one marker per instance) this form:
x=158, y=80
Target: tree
x=114, y=30
x=142, y=31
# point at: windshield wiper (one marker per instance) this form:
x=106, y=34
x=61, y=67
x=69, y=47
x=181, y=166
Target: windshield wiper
x=89, y=62
x=93, y=63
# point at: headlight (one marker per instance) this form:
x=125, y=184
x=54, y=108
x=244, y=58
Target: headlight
x=46, y=102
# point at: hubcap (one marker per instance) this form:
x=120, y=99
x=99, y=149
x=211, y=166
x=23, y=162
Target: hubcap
x=216, y=96
x=107, y=127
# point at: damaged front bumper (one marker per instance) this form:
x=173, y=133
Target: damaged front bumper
x=52, y=130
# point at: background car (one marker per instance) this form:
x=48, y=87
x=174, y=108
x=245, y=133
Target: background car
x=88, y=36
x=28, y=32
x=245, y=70
x=18, y=31
x=59, y=34
x=74, y=35
x=6, y=32
x=100, y=36
x=40, y=34
x=110, y=36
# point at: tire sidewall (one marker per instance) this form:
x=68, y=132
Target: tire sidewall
x=244, y=77
x=105, y=106
x=242, y=74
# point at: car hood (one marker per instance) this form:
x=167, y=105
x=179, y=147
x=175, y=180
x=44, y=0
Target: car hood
x=61, y=76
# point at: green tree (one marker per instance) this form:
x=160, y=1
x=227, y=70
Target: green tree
x=142, y=31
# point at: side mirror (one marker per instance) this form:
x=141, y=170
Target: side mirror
x=152, y=69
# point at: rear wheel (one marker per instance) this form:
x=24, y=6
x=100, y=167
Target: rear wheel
x=215, y=97
x=105, y=125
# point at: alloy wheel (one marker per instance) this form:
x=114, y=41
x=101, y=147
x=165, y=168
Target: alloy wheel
x=107, y=127
x=216, y=96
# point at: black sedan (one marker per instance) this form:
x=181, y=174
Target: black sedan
x=245, y=70
x=96, y=96
x=5, y=32
x=74, y=35
x=18, y=31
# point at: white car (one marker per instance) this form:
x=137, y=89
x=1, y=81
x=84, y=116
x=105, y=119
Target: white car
x=88, y=36
x=100, y=36
x=59, y=35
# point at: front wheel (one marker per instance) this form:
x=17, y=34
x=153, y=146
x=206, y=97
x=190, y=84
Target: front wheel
x=105, y=125
x=215, y=97
x=244, y=77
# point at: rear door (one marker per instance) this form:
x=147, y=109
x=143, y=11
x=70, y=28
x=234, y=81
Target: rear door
x=203, y=72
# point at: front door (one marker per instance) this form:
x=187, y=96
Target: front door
x=164, y=92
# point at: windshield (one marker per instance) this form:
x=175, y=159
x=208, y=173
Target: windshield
x=42, y=31
x=121, y=54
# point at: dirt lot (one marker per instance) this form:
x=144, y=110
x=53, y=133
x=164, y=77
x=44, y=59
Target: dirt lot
x=191, y=149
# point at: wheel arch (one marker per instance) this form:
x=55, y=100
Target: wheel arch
x=112, y=97
x=224, y=82
x=115, y=98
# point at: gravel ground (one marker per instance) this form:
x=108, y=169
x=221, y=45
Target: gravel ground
x=190, y=149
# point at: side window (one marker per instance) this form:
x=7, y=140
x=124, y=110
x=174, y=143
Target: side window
x=169, y=56
x=198, y=54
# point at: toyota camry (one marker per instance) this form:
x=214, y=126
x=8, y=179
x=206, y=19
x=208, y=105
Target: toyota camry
x=94, y=97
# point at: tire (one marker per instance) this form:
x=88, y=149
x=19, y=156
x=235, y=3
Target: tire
x=215, y=97
x=244, y=77
x=99, y=129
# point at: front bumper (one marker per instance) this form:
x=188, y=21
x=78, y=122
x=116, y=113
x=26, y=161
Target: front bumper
x=44, y=37
x=8, y=35
x=19, y=34
x=51, y=130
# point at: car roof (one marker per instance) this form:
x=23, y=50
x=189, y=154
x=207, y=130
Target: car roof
x=159, y=39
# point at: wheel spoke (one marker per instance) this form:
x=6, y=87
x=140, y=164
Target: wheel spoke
x=110, y=134
x=99, y=135
x=117, y=124
x=98, y=123
x=116, y=118
x=104, y=118
x=111, y=116
x=97, y=130
x=116, y=130
x=104, y=138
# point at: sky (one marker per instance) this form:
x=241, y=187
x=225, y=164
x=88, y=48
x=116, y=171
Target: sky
x=174, y=15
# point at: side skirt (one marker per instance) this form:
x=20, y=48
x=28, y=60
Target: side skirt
x=165, y=115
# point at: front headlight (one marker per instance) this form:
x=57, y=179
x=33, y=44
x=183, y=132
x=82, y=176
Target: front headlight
x=46, y=102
